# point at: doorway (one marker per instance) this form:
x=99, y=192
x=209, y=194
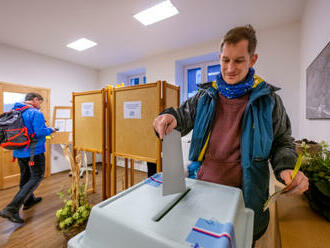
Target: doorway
x=9, y=94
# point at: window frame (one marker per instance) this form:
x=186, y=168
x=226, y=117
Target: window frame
x=140, y=76
x=203, y=66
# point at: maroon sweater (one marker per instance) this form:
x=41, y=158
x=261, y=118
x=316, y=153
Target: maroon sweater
x=222, y=162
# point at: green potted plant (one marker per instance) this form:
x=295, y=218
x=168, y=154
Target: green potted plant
x=73, y=216
x=316, y=167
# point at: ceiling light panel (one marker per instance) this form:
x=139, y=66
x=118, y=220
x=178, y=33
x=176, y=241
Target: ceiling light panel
x=82, y=44
x=157, y=13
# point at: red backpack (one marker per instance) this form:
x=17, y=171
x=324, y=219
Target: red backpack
x=13, y=133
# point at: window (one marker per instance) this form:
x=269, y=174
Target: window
x=131, y=77
x=194, y=77
x=10, y=98
x=212, y=72
x=199, y=74
x=136, y=80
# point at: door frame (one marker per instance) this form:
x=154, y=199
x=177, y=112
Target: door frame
x=19, y=88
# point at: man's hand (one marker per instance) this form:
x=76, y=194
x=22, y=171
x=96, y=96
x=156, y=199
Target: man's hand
x=299, y=184
x=164, y=124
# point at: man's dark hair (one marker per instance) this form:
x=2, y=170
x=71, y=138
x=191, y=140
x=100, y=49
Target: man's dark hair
x=30, y=96
x=237, y=34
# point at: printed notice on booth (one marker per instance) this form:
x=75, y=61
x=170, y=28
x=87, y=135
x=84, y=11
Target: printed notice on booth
x=87, y=109
x=63, y=114
x=60, y=125
x=132, y=110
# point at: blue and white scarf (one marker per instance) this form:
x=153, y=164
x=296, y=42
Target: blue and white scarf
x=235, y=90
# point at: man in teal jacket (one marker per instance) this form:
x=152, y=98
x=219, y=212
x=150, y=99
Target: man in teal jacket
x=239, y=124
x=31, y=175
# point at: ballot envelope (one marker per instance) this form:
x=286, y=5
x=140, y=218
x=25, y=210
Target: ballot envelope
x=205, y=215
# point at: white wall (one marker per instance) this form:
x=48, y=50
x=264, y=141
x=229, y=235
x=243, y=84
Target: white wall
x=26, y=68
x=315, y=34
x=161, y=67
x=278, y=64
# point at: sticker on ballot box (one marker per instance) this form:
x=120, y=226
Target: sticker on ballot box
x=155, y=180
x=212, y=234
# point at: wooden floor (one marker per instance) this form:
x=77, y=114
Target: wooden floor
x=39, y=228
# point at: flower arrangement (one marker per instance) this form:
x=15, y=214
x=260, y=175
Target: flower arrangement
x=73, y=217
x=68, y=216
x=316, y=167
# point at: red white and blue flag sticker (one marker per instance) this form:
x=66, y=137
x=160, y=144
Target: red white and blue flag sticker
x=154, y=180
x=212, y=234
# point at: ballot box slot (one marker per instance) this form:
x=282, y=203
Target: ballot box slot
x=169, y=206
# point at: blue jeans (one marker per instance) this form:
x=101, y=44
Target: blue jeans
x=31, y=176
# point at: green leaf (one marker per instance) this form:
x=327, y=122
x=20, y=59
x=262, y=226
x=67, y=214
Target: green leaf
x=68, y=221
x=62, y=225
x=76, y=216
x=58, y=213
x=60, y=194
x=324, y=187
x=68, y=203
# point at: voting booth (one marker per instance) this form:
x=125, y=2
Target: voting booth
x=117, y=122
x=205, y=215
x=133, y=110
x=89, y=129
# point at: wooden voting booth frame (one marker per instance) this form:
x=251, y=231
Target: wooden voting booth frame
x=130, y=137
x=133, y=135
x=89, y=134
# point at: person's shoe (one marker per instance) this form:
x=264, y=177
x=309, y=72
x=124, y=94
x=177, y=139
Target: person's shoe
x=32, y=203
x=13, y=217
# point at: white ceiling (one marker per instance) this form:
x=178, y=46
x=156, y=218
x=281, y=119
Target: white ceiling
x=47, y=26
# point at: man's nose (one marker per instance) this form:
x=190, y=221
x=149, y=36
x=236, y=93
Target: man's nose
x=230, y=67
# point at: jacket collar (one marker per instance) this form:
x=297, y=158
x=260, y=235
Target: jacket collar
x=261, y=90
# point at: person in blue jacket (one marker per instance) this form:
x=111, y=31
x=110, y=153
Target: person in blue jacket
x=239, y=126
x=31, y=175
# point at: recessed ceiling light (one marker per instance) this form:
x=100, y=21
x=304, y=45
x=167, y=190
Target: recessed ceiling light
x=157, y=13
x=82, y=44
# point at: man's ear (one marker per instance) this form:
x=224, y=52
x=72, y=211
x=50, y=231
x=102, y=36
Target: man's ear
x=253, y=59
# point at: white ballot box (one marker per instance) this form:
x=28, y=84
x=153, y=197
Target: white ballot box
x=206, y=215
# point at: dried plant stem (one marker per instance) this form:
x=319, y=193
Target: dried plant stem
x=75, y=195
x=69, y=157
x=75, y=165
x=86, y=169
